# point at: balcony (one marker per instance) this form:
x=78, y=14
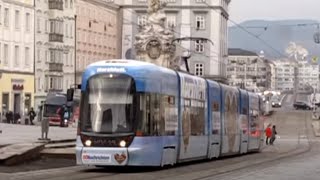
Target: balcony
x=53, y=37
x=55, y=67
x=56, y=4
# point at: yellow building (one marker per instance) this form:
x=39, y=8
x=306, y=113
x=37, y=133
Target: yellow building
x=17, y=92
x=17, y=56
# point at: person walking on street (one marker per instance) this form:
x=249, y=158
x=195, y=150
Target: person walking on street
x=32, y=115
x=268, y=134
x=273, y=135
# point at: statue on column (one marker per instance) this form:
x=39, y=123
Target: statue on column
x=154, y=42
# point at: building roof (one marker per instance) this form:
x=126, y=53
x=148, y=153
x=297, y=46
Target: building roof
x=240, y=52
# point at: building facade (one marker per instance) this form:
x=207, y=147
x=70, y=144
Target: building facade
x=186, y=18
x=285, y=74
x=248, y=69
x=98, y=33
x=54, y=46
x=308, y=76
x=16, y=55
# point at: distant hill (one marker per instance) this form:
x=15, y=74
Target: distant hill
x=278, y=34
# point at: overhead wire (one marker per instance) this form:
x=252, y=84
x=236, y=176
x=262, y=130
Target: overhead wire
x=250, y=33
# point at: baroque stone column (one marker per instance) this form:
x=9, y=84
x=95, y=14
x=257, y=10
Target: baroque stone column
x=154, y=42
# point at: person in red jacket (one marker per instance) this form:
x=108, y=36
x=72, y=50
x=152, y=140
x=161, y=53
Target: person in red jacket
x=268, y=134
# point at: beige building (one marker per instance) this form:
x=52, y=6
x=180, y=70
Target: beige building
x=98, y=33
x=249, y=69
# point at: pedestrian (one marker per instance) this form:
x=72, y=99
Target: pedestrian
x=61, y=113
x=31, y=115
x=273, y=135
x=16, y=118
x=268, y=134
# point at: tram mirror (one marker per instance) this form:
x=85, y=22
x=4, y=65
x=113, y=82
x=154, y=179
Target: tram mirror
x=70, y=93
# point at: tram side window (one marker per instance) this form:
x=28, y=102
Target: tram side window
x=169, y=115
x=254, y=120
x=197, y=118
x=155, y=110
x=216, y=121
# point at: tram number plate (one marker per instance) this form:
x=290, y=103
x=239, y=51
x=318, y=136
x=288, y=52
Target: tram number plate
x=96, y=158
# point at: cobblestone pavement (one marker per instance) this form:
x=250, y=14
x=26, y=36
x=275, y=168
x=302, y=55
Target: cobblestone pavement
x=14, y=133
x=288, y=143
x=306, y=167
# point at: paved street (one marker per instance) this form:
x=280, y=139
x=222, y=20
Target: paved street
x=304, y=167
x=288, y=100
x=291, y=130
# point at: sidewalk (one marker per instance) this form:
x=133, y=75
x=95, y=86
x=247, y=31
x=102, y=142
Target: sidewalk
x=15, y=133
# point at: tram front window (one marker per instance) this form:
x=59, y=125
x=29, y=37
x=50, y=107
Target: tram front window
x=108, y=105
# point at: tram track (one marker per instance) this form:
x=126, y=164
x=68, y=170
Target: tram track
x=266, y=163
x=195, y=171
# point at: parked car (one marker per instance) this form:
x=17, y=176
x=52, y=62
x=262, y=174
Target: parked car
x=302, y=105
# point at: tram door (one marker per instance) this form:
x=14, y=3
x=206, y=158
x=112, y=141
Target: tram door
x=244, y=121
x=215, y=137
x=215, y=120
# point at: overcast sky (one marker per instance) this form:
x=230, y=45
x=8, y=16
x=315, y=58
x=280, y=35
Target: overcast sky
x=241, y=10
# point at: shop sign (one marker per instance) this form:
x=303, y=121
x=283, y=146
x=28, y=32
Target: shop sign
x=17, y=87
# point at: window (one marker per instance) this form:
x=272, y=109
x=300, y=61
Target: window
x=39, y=84
x=0, y=14
x=6, y=17
x=46, y=56
x=16, y=55
x=199, y=69
x=38, y=25
x=215, y=110
x=5, y=54
x=17, y=19
x=142, y=20
x=27, y=21
x=66, y=31
x=201, y=1
x=5, y=100
x=51, y=83
x=27, y=56
x=171, y=21
x=199, y=45
x=46, y=26
x=200, y=22
x=56, y=4
x=66, y=58
x=66, y=4
x=71, y=28
x=39, y=55
x=71, y=3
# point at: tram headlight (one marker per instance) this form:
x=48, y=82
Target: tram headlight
x=122, y=143
x=88, y=142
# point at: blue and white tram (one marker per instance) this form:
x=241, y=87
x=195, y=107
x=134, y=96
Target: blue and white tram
x=138, y=114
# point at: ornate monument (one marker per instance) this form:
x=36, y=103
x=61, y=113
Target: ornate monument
x=154, y=42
